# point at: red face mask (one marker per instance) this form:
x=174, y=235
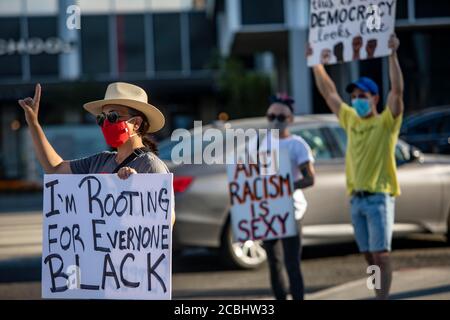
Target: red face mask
x=115, y=134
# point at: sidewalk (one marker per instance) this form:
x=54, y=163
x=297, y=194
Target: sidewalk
x=20, y=249
x=20, y=202
x=408, y=284
x=20, y=235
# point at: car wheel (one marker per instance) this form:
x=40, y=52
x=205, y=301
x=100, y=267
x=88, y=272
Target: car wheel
x=247, y=255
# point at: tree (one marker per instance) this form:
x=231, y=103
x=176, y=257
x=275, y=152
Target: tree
x=243, y=93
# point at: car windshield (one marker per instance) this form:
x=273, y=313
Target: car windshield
x=316, y=140
x=186, y=144
x=401, y=150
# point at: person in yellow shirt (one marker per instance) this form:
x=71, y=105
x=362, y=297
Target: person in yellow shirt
x=370, y=159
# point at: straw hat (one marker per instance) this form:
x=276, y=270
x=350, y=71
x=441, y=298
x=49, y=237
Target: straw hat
x=131, y=96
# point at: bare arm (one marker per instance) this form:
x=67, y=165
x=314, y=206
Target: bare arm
x=395, y=97
x=327, y=88
x=308, y=172
x=47, y=156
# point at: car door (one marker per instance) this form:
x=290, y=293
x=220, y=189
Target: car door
x=420, y=202
x=326, y=199
x=421, y=185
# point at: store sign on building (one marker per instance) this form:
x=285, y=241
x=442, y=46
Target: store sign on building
x=34, y=46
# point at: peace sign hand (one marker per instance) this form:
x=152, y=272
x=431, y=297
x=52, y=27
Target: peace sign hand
x=31, y=106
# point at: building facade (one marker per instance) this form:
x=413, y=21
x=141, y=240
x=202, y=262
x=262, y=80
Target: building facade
x=276, y=31
x=164, y=46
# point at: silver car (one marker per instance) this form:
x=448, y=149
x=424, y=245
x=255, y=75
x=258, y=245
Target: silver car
x=203, y=209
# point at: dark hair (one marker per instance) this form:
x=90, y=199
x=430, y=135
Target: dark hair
x=147, y=139
x=284, y=99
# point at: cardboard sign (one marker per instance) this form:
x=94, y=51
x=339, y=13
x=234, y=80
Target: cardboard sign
x=107, y=238
x=261, y=198
x=348, y=30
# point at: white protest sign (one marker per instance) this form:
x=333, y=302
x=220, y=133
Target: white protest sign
x=348, y=30
x=261, y=198
x=107, y=238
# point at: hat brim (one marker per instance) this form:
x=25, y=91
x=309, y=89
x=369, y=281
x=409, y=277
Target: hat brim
x=154, y=116
x=353, y=86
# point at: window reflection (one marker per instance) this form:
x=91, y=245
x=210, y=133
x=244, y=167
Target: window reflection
x=262, y=11
x=10, y=64
x=130, y=43
x=95, y=44
x=41, y=31
x=201, y=40
x=167, y=41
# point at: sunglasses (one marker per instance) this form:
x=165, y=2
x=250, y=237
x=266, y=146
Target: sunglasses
x=280, y=117
x=359, y=96
x=112, y=117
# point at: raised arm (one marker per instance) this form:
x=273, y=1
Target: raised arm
x=50, y=161
x=395, y=97
x=327, y=88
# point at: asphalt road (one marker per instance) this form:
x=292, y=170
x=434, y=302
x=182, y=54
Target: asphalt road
x=198, y=275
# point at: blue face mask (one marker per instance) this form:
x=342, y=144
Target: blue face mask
x=362, y=107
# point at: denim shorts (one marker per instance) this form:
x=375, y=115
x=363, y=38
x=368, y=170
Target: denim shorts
x=373, y=221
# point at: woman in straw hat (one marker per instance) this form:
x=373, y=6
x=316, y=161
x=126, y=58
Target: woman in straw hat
x=126, y=120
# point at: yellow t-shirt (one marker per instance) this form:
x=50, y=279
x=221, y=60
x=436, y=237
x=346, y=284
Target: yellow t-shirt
x=370, y=156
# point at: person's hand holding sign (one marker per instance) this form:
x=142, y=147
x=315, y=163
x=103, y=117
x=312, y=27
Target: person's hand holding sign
x=371, y=46
x=325, y=56
x=357, y=44
x=125, y=172
x=31, y=106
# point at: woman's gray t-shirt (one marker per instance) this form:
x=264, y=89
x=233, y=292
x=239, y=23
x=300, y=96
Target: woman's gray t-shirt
x=104, y=162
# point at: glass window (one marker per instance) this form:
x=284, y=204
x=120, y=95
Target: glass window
x=10, y=59
x=94, y=44
x=130, y=43
x=187, y=144
x=167, y=41
x=135, y=6
x=341, y=139
x=262, y=11
x=425, y=64
x=402, y=10
x=315, y=138
x=445, y=126
x=430, y=9
x=42, y=33
x=201, y=40
x=425, y=127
